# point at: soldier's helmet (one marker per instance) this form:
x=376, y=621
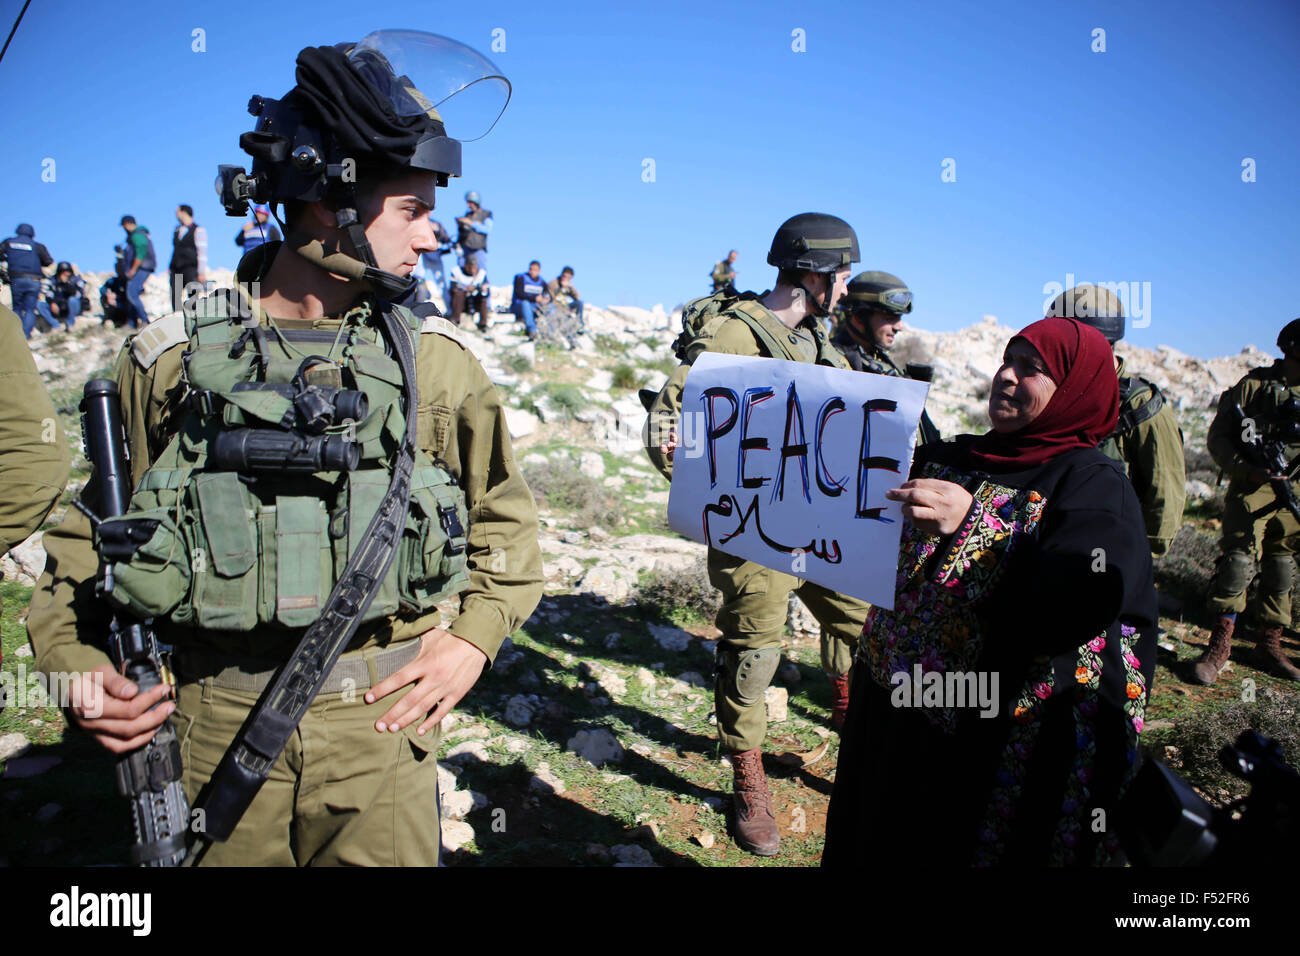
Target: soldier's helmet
x=814, y=242
x=877, y=290
x=1288, y=340
x=63, y=267
x=25, y=229
x=1091, y=305
x=381, y=102
x=473, y=197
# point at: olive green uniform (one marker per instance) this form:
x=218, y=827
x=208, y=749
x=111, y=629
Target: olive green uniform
x=1253, y=522
x=341, y=792
x=723, y=275
x=755, y=599
x=863, y=359
x=34, y=456
x=1151, y=453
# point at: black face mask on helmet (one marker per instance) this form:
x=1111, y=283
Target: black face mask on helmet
x=349, y=106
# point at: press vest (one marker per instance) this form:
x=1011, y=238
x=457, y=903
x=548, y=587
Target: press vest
x=23, y=256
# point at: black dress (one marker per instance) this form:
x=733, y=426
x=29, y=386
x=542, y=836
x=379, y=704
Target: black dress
x=1042, y=600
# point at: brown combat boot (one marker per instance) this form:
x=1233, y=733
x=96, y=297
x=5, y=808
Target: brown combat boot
x=1269, y=651
x=755, y=825
x=839, y=699
x=1215, y=657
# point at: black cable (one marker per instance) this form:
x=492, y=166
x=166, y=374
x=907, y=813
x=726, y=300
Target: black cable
x=15, y=29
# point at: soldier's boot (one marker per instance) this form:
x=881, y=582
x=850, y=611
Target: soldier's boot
x=754, y=825
x=1269, y=651
x=839, y=699
x=1215, y=657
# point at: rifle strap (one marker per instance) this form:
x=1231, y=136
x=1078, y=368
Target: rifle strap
x=253, y=752
x=1131, y=418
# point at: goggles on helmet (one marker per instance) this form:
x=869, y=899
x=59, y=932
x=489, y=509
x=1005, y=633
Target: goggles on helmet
x=891, y=300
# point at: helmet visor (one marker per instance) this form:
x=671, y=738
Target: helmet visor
x=419, y=72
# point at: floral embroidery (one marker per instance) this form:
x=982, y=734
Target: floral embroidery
x=991, y=842
x=934, y=623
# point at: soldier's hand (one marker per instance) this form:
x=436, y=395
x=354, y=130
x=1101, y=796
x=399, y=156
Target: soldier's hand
x=443, y=672
x=113, y=711
x=932, y=505
x=669, y=445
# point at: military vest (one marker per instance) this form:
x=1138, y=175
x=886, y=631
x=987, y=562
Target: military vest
x=703, y=317
x=249, y=515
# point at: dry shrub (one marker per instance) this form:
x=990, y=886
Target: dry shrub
x=584, y=500
x=681, y=596
x=1202, y=735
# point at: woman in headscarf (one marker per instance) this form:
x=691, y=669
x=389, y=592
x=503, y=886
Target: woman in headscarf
x=996, y=709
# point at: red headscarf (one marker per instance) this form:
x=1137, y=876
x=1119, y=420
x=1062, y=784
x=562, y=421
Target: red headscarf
x=1083, y=410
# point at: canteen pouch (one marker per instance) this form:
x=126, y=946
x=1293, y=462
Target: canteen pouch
x=430, y=562
x=150, y=577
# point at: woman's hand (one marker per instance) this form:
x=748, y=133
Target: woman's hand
x=933, y=506
x=443, y=672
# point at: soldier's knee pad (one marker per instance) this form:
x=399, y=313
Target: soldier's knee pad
x=1232, y=573
x=748, y=673
x=1276, y=572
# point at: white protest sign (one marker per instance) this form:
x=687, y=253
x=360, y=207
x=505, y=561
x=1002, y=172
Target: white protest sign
x=787, y=464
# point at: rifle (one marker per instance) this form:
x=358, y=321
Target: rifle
x=151, y=776
x=1271, y=456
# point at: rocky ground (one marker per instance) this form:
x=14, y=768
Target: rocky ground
x=591, y=741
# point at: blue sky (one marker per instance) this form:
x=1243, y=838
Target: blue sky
x=1116, y=166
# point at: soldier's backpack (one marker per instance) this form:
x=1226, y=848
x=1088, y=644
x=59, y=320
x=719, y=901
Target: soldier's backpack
x=702, y=317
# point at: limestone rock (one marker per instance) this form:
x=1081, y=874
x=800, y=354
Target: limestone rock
x=669, y=638
x=455, y=834
x=628, y=854
x=544, y=781
x=596, y=746
x=457, y=804
x=777, y=700
x=13, y=745
x=521, y=423
x=520, y=710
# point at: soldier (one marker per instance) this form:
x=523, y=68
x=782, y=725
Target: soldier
x=1254, y=513
x=34, y=457
x=812, y=252
x=872, y=313
x=260, y=542
x=1147, y=443
x=724, y=274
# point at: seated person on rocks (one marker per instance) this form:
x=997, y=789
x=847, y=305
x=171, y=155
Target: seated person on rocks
x=566, y=297
x=65, y=297
x=470, y=292
x=530, y=297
